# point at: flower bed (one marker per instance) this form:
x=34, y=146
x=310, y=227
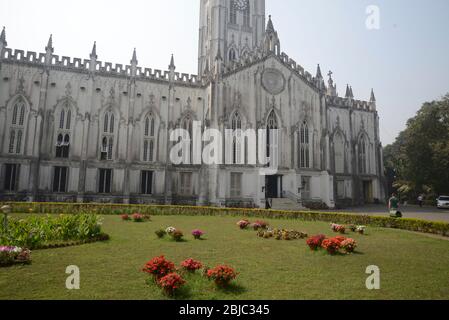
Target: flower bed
x=39, y=232
x=332, y=245
x=165, y=276
x=440, y=228
x=10, y=255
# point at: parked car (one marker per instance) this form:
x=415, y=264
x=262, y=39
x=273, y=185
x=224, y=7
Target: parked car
x=443, y=202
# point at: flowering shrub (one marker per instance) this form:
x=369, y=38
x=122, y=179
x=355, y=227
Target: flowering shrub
x=315, y=242
x=160, y=233
x=191, y=265
x=125, y=217
x=243, y=224
x=349, y=245
x=338, y=228
x=11, y=255
x=137, y=217
x=171, y=282
x=177, y=235
x=170, y=230
x=222, y=275
x=331, y=245
x=197, y=234
x=262, y=224
x=159, y=267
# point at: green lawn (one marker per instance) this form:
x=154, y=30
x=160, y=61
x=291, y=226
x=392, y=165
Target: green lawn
x=413, y=266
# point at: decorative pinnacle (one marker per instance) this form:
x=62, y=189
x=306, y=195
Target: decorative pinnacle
x=3, y=37
x=49, y=47
x=270, y=27
x=318, y=73
x=373, y=97
x=172, y=63
x=93, y=55
x=134, y=59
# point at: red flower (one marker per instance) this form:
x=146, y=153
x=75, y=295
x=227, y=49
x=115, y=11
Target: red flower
x=191, y=265
x=315, y=242
x=171, y=282
x=159, y=267
x=331, y=245
x=125, y=217
x=349, y=245
x=222, y=275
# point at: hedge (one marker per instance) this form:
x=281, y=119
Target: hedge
x=439, y=228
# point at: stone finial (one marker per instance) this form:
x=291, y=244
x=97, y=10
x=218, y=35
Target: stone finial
x=49, y=48
x=134, y=60
x=3, y=37
x=352, y=93
x=93, y=55
x=373, y=97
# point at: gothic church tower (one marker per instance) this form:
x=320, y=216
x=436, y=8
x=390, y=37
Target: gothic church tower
x=230, y=29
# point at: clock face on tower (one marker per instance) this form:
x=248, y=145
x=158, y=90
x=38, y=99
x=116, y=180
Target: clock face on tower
x=241, y=5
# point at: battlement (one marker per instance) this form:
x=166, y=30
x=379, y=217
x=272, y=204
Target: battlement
x=101, y=68
x=350, y=104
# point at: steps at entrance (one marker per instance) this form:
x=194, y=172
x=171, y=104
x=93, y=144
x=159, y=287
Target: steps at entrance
x=286, y=204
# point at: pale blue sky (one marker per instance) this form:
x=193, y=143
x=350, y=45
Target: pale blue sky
x=406, y=61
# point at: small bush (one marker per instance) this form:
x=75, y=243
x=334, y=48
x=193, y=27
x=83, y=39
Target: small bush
x=222, y=275
x=159, y=267
x=171, y=282
x=191, y=265
x=177, y=235
x=160, y=233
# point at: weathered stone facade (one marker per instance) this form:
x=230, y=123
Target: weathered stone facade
x=84, y=130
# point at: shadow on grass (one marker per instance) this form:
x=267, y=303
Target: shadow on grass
x=232, y=288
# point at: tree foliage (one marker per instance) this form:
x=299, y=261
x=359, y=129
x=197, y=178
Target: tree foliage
x=418, y=161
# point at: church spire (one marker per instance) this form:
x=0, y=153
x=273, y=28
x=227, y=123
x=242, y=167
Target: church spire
x=272, y=44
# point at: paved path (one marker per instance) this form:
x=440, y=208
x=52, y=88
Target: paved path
x=415, y=212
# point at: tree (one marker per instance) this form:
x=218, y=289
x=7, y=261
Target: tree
x=418, y=161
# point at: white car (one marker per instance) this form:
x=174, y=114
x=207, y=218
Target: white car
x=443, y=202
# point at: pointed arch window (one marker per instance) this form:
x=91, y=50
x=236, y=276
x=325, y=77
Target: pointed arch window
x=187, y=125
x=339, y=152
x=304, y=146
x=108, y=136
x=63, y=132
x=17, y=129
x=149, y=139
x=236, y=126
x=272, y=124
x=246, y=14
x=362, y=149
x=232, y=55
x=233, y=13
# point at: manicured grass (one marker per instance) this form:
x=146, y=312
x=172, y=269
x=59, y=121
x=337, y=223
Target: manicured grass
x=413, y=266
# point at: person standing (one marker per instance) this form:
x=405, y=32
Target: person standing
x=393, y=206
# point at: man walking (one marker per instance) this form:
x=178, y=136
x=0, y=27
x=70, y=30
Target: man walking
x=420, y=200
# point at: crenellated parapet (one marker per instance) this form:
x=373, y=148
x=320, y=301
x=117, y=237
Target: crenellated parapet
x=106, y=69
x=347, y=103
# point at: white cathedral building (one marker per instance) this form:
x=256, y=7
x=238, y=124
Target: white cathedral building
x=83, y=130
